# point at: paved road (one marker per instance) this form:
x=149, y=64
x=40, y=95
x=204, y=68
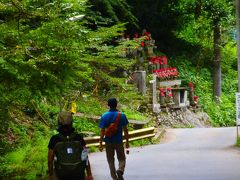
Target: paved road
x=183, y=154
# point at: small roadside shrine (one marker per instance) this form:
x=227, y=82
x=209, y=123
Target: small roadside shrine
x=165, y=89
x=170, y=93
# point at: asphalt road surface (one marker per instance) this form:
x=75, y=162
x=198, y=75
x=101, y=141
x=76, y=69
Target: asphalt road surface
x=183, y=154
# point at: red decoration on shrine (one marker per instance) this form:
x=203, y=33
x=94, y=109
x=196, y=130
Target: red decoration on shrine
x=163, y=73
x=166, y=73
x=135, y=36
x=191, y=86
x=147, y=34
x=195, y=98
x=164, y=59
x=158, y=60
x=169, y=92
x=162, y=94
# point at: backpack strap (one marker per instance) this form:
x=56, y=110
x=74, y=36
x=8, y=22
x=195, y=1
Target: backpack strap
x=67, y=138
x=118, y=118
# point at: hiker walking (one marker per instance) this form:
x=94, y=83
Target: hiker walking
x=114, y=140
x=67, y=153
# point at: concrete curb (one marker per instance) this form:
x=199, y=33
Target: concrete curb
x=159, y=134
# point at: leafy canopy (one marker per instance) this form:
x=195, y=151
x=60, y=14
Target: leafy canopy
x=47, y=49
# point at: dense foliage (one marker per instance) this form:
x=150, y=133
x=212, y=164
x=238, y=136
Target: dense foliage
x=49, y=56
x=47, y=50
x=110, y=12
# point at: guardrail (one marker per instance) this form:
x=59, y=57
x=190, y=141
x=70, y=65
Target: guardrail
x=133, y=135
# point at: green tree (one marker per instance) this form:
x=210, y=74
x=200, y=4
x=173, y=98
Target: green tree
x=110, y=12
x=160, y=19
x=210, y=21
x=47, y=50
x=220, y=13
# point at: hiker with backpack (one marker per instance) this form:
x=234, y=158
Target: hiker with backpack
x=112, y=124
x=67, y=152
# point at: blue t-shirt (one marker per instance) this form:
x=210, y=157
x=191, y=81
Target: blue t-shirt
x=108, y=118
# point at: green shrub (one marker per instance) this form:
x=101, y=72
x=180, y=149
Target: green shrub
x=83, y=124
x=222, y=114
x=91, y=105
x=238, y=142
x=27, y=161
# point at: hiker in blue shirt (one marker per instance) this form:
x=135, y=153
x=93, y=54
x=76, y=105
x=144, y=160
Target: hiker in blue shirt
x=115, y=142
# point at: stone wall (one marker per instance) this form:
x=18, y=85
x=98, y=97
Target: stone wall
x=183, y=118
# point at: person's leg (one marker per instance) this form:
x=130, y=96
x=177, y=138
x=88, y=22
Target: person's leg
x=110, y=150
x=121, y=158
x=79, y=176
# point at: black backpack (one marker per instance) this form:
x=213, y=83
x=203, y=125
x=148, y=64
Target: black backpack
x=68, y=156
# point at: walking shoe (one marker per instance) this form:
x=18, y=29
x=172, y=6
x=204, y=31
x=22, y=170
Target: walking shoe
x=120, y=175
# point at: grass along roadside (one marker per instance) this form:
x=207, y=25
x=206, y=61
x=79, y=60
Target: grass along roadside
x=238, y=142
x=28, y=160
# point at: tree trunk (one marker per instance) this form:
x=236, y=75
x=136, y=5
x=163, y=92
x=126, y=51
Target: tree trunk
x=217, y=82
x=198, y=9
